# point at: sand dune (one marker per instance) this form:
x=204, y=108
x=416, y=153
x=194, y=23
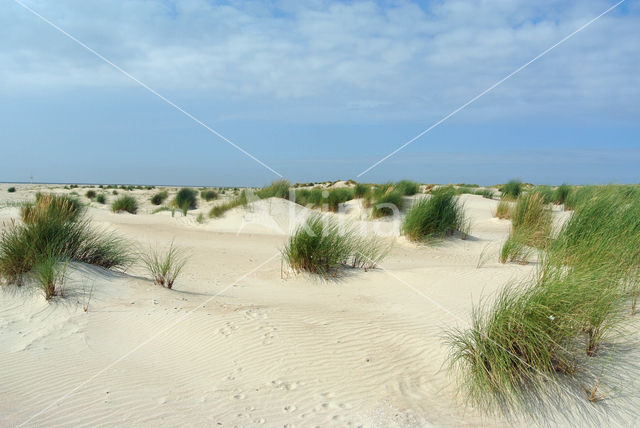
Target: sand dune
x=233, y=344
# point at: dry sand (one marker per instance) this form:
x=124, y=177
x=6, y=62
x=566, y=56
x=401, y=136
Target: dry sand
x=234, y=344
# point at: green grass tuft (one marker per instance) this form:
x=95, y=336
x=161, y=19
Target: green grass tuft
x=186, y=199
x=208, y=194
x=159, y=198
x=438, y=216
x=11, y=189
x=125, y=203
x=512, y=189
x=165, y=267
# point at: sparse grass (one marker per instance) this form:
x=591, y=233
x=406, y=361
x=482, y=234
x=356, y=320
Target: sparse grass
x=186, y=199
x=321, y=246
x=159, y=198
x=219, y=210
x=101, y=198
x=503, y=210
x=530, y=228
x=200, y=218
x=164, y=267
x=407, y=188
x=54, y=227
x=11, y=189
x=388, y=204
x=125, y=203
x=440, y=215
x=512, y=189
x=208, y=194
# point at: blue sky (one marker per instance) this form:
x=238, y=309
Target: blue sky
x=320, y=90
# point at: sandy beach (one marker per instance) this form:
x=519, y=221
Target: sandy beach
x=239, y=341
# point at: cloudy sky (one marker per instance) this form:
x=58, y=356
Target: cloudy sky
x=319, y=90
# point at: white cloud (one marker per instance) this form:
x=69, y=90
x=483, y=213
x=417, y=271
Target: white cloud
x=395, y=61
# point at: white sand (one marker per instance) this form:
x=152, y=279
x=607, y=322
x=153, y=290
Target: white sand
x=234, y=344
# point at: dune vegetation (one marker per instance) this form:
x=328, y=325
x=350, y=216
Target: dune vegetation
x=511, y=190
x=438, y=216
x=164, y=267
x=323, y=246
x=528, y=345
x=56, y=228
x=530, y=228
x=125, y=203
x=159, y=197
x=186, y=199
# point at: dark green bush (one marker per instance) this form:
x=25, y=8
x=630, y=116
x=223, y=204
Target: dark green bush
x=90, y=194
x=11, y=189
x=512, y=189
x=159, y=197
x=208, y=194
x=186, y=198
x=101, y=198
x=407, y=188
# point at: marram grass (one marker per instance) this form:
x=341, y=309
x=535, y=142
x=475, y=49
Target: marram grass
x=438, y=216
x=321, y=245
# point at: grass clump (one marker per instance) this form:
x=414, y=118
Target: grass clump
x=186, y=199
x=322, y=246
x=90, y=194
x=164, y=267
x=388, y=203
x=125, y=203
x=360, y=190
x=159, y=198
x=50, y=271
x=11, y=189
x=512, y=189
x=219, y=210
x=101, y=198
x=277, y=189
x=208, y=194
x=561, y=193
x=54, y=227
x=546, y=192
x=438, y=216
x=338, y=196
x=407, y=187
x=503, y=210
x=485, y=193
x=530, y=228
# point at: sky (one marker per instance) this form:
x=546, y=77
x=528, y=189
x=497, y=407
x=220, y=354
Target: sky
x=319, y=90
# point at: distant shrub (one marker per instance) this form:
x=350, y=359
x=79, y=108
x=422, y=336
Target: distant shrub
x=407, y=188
x=90, y=194
x=159, y=198
x=11, y=189
x=186, y=198
x=438, y=216
x=485, y=193
x=125, y=203
x=115, y=192
x=463, y=190
x=387, y=204
x=164, y=268
x=208, y=194
x=321, y=246
x=512, y=189
x=101, y=198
